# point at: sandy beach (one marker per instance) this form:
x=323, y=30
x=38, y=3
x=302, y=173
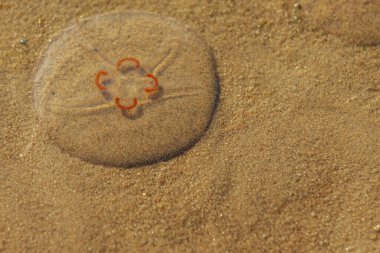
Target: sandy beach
x=289, y=162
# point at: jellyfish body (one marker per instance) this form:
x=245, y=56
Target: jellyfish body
x=105, y=83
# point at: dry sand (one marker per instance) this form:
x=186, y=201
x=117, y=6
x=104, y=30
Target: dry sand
x=290, y=162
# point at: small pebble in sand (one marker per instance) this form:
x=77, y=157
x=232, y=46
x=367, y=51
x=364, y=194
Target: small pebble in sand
x=23, y=41
x=297, y=6
x=40, y=22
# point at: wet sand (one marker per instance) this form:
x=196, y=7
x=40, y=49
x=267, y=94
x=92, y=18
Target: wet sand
x=290, y=162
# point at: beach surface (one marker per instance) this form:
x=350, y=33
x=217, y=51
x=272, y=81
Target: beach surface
x=289, y=163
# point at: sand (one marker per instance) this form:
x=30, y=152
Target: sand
x=290, y=162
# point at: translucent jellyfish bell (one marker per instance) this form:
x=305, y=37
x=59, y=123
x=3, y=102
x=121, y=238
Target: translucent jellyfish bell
x=125, y=89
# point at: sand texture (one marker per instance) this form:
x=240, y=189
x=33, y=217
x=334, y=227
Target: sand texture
x=289, y=163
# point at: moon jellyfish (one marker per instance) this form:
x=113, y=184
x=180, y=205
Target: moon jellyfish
x=125, y=89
